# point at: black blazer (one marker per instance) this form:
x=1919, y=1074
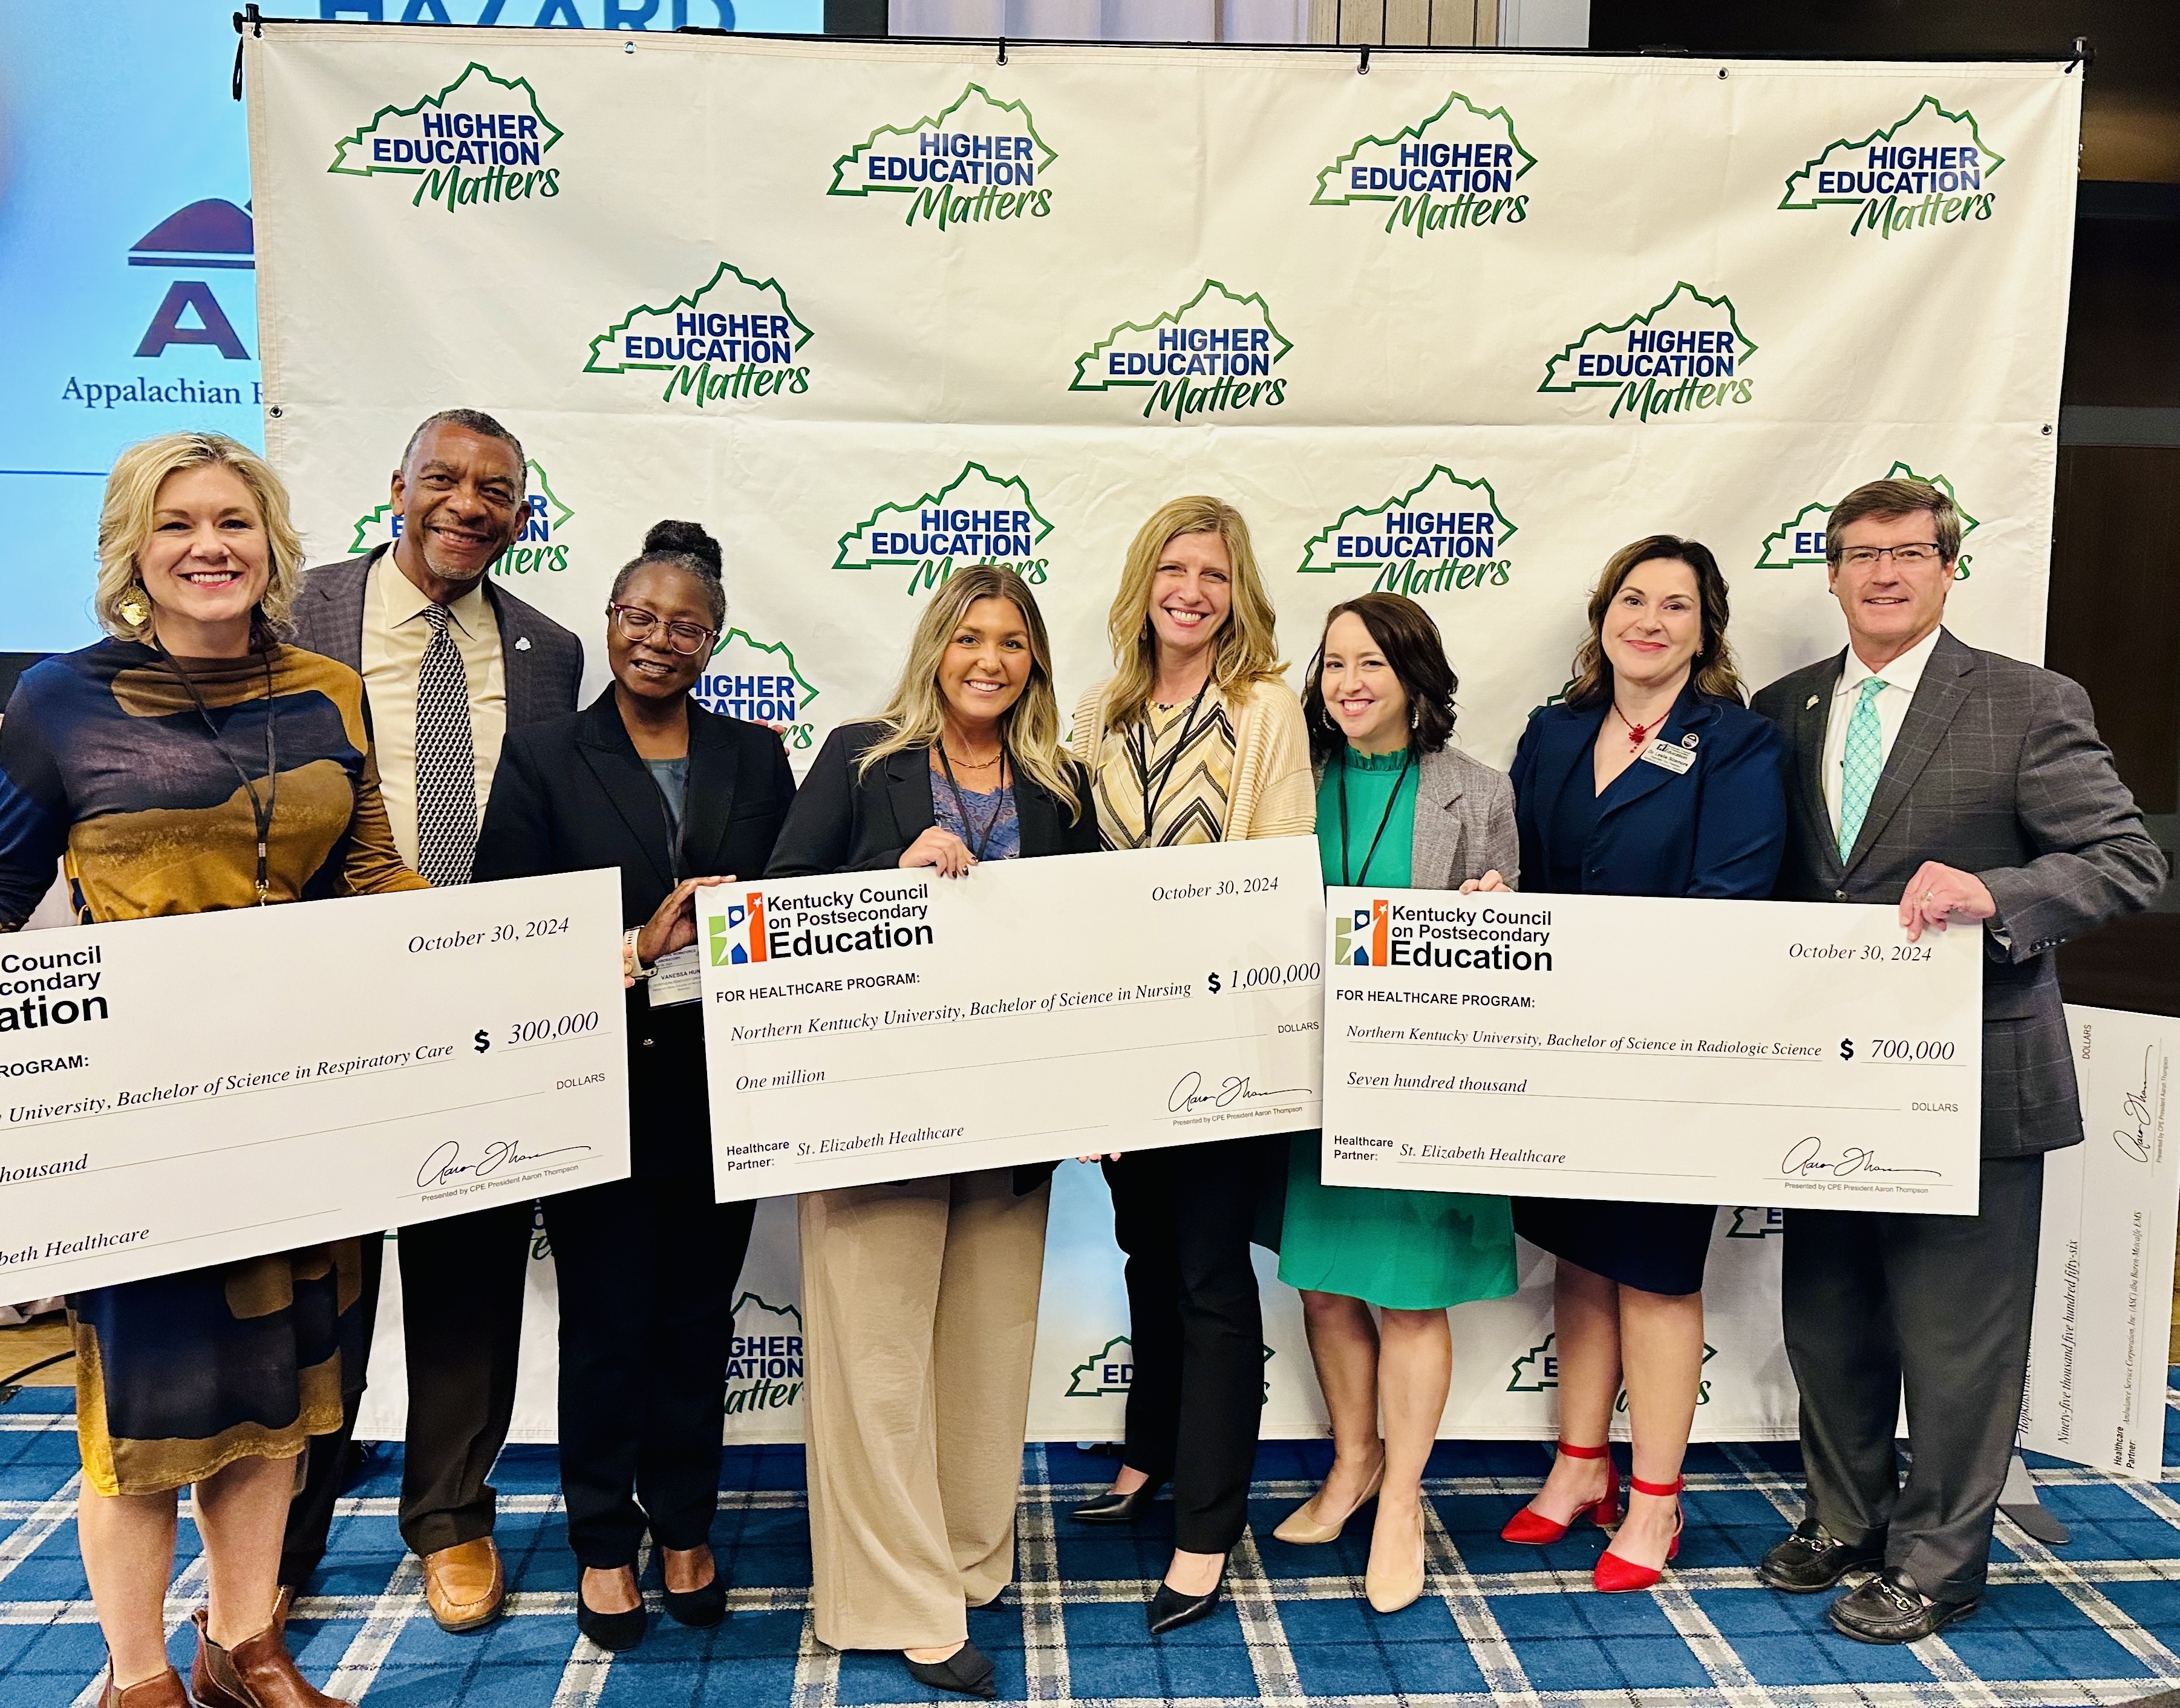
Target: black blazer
x=571, y=795
x=841, y=822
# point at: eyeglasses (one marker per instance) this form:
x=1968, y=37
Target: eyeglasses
x=637, y=624
x=1906, y=557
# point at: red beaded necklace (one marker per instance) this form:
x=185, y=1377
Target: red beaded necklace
x=1636, y=733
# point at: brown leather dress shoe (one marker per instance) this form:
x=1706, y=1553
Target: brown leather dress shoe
x=256, y=1672
x=164, y=1691
x=464, y=1585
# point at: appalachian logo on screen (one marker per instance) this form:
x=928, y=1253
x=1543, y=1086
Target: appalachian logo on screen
x=541, y=547
x=1457, y=170
x=764, y=1360
x=1213, y=355
x=1930, y=170
x=975, y=518
x=480, y=141
x=976, y=161
x=758, y=680
x=1445, y=535
x=1800, y=543
x=732, y=339
x=1684, y=357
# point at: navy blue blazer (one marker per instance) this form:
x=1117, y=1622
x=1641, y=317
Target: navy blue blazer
x=1717, y=829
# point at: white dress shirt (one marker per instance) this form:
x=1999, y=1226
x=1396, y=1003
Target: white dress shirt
x=394, y=636
x=1901, y=677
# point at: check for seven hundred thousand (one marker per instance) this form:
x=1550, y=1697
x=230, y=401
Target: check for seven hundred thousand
x=1625, y=1044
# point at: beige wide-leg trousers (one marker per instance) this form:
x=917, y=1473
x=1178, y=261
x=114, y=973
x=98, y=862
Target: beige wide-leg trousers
x=919, y=1304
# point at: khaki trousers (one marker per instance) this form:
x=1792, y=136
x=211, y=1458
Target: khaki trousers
x=919, y=1301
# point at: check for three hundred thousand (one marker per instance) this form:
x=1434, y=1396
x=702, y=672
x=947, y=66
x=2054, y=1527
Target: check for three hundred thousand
x=1664, y=1050
x=887, y=1025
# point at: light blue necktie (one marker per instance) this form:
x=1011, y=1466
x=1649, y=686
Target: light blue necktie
x=1859, y=766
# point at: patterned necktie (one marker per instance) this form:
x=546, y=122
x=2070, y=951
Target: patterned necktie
x=1859, y=765
x=446, y=760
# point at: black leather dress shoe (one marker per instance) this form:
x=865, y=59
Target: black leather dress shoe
x=967, y=1672
x=1888, y=1609
x=1169, y=1610
x=1109, y=1508
x=1813, y=1559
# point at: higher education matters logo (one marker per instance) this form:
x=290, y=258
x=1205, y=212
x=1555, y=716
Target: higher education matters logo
x=482, y=139
x=1538, y=1369
x=1214, y=353
x=1454, y=171
x=733, y=338
x=1755, y=1222
x=978, y=160
x=758, y=680
x=1681, y=356
x=1800, y=544
x=1444, y=535
x=1111, y=1369
x=765, y=1358
x=541, y=547
x=1931, y=170
x=975, y=518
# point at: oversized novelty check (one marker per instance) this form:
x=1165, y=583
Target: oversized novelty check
x=187, y=1091
x=886, y=1025
x=1677, y=1051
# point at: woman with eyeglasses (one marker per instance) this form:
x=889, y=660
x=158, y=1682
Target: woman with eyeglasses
x=674, y=797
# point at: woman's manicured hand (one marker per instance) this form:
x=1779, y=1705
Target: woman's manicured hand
x=1491, y=883
x=941, y=849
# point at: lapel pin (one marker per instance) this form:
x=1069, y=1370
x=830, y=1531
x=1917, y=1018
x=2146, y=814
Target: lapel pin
x=522, y=643
x=1691, y=739
x=1809, y=703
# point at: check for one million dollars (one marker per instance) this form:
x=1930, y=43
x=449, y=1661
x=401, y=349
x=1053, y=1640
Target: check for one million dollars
x=1670, y=1051
x=886, y=1025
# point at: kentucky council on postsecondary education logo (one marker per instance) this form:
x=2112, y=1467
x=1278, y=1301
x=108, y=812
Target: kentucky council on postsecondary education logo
x=1454, y=171
x=1685, y=355
x=541, y=547
x=479, y=141
x=732, y=338
x=1930, y=170
x=976, y=161
x=975, y=518
x=1215, y=352
x=1443, y=535
x=1800, y=544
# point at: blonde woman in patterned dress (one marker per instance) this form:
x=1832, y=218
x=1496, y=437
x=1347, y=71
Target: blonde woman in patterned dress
x=1194, y=739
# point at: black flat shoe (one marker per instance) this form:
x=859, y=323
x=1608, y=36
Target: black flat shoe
x=1109, y=1508
x=699, y=1607
x=614, y=1632
x=967, y=1672
x=1169, y=1610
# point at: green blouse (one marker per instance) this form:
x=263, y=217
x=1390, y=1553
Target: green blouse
x=1381, y=790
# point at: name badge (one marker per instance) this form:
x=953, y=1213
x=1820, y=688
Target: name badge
x=1659, y=753
x=675, y=978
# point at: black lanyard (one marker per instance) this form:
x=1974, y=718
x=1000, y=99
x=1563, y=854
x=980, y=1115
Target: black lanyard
x=1392, y=801
x=261, y=810
x=1164, y=771
x=977, y=840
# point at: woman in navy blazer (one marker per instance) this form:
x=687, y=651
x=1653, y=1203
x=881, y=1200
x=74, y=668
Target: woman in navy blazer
x=1652, y=778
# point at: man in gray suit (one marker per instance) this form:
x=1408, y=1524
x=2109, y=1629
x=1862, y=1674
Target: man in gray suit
x=1964, y=788
x=450, y=663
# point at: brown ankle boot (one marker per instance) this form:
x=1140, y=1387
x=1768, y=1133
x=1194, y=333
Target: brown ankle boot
x=256, y=1672
x=164, y=1691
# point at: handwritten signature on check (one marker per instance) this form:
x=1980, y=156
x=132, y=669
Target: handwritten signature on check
x=2135, y=1109
x=1806, y=1157
x=501, y=1155
x=1188, y=1093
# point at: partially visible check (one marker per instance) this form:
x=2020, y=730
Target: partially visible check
x=191, y=1090
x=1668, y=1050
x=886, y=1025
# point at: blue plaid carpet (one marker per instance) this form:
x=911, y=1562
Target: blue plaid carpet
x=2095, y=1622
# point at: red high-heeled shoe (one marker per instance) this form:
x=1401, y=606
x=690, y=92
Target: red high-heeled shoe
x=1531, y=1527
x=1615, y=1574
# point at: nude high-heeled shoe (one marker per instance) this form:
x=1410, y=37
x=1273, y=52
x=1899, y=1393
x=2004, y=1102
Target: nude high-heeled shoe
x=1395, y=1587
x=1304, y=1530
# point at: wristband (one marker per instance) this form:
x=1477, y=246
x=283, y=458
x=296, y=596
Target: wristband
x=631, y=962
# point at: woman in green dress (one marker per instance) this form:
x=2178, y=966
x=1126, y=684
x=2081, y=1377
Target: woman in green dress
x=1396, y=807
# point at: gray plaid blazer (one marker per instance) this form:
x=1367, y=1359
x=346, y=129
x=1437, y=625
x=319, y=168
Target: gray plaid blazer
x=542, y=661
x=1998, y=770
x=1464, y=821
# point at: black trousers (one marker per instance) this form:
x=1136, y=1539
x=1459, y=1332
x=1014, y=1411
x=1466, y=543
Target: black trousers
x=1183, y=1217
x=1941, y=1305
x=462, y=1281
x=325, y=1458
x=647, y=1270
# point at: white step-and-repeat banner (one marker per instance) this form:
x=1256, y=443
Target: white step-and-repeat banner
x=1458, y=327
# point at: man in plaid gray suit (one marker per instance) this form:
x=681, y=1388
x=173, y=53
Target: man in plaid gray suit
x=1973, y=790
